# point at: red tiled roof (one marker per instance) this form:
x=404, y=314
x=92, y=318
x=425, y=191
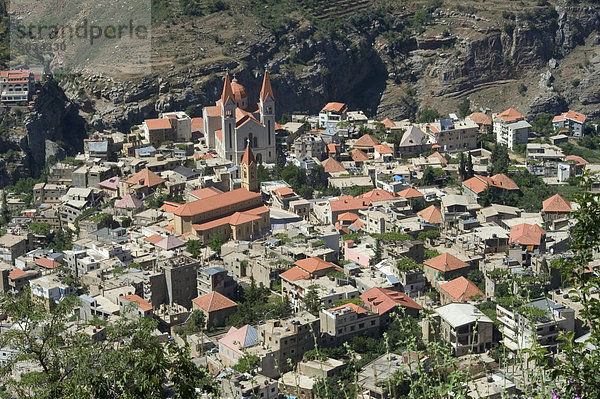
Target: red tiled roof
x=204, y=193
x=383, y=149
x=16, y=273
x=575, y=116
x=214, y=302
x=431, y=214
x=158, y=124
x=197, y=124
x=439, y=156
x=339, y=108
x=248, y=157
x=348, y=217
x=382, y=300
x=311, y=265
x=480, y=118
x=154, y=238
x=461, y=289
x=479, y=183
x=358, y=155
x=283, y=191
x=331, y=165
x=213, y=110
x=578, y=160
x=410, y=193
x=378, y=195
x=216, y=202
x=476, y=184
x=239, y=91
x=332, y=148
x=145, y=306
x=266, y=89
x=145, y=178
x=47, y=263
x=526, y=234
x=227, y=90
x=240, y=218
x=236, y=219
x=500, y=180
x=446, y=263
x=510, y=115
x=388, y=123
x=111, y=184
x=168, y=206
x=557, y=204
x=366, y=140
x=294, y=274
x=348, y=203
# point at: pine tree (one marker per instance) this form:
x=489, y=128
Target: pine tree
x=461, y=168
x=469, y=168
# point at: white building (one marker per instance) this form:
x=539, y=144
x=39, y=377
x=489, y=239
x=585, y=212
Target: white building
x=511, y=128
x=571, y=120
x=332, y=112
x=50, y=289
x=17, y=85
x=182, y=124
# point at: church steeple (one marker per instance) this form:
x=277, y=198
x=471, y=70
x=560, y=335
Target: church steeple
x=266, y=90
x=249, y=171
x=227, y=90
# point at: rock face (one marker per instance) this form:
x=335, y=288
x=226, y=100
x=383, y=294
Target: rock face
x=53, y=127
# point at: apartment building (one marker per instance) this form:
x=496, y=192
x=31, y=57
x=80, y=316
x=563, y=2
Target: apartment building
x=340, y=323
x=511, y=128
x=571, y=121
x=540, y=320
x=453, y=135
x=465, y=328
x=17, y=85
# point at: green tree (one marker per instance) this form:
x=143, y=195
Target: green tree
x=469, y=172
x=66, y=362
x=194, y=324
x=312, y=302
x=462, y=171
x=378, y=252
x=126, y=222
x=216, y=242
x=247, y=363
x=193, y=247
x=428, y=115
x=464, y=108
x=428, y=178
x=39, y=228
x=61, y=240
x=542, y=124
x=4, y=212
x=499, y=160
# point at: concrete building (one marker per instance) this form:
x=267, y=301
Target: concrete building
x=540, y=320
x=465, y=328
x=16, y=85
x=181, y=280
x=332, y=112
x=453, y=135
x=511, y=128
x=216, y=279
x=340, y=323
x=182, y=124
x=311, y=146
x=50, y=290
x=571, y=121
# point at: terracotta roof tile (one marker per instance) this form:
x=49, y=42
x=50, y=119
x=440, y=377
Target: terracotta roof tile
x=47, y=263
x=266, y=89
x=383, y=149
x=332, y=148
x=358, y=155
x=344, y=203
x=557, y=204
x=248, y=157
x=145, y=178
x=144, y=305
x=461, y=289
x=331, y=165
x=154, y=238
x=378, y=195
x=510, y=115
x=578, y=160
x=227, y=90
x=214, y=302
x=366, y=141
x=526, y=234
x=480, y=118
x=311, y=265
x=382, y=300
x=575, y=116
x=446, y=263
x=204, y=193
x=335, y=107
x=410, y=193
x=295, y=273
x=388, y=123
x=439, y=156
x=431, y=214
x=216, y=202
x=348, y=217
x=352, y=306
x=158, y=124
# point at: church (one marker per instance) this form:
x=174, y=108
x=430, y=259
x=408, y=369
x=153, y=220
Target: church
x=233, y=123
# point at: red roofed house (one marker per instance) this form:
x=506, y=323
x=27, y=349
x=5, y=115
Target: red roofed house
x=577, y=162
x=498, y=184
x=216, y=308
x=47, y=263
x=340, y=323
x=331, y=166
x=431, y=215
x=511, y=128
x=383, y=151
x=556, y=207
x=234, y=122
x=18, y=278
x=238, y=214
x=157, y=131
x=347, y=203
x=410, y=193
x=571, y=120
x=358, y=156
x=366, y=143
x=445, y=267
x=142, y=183
x=17, y=85
x=385, y=301
x=332, y=112
x=304, y=269
x=281, y=197
x=461, y=290
x=484, y=121
x=529, y=237
x=133, y=306
x=234, y=344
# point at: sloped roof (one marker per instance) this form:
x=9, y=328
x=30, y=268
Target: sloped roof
x=461, y=289
x=413, y=136
x=203, y=193
x=248, y=157
x=431, y=214
x=335, y=107
x=572, y=115
x=240, y=338
x=348, y=217
x=295, y=273
x=145, y=178
x=143, y=304
x=410, y=193
x=439, y=156
x=352, y=306
x=331, y=165
x=47, y=263
x=348, y=203
x=446, y=263
x=388, y=123
x=239, y=218
x=383, y=149
x=266, y=89
x=382, y=300
x=480, y=118
x=158, y=124
x=222, y=200
x=154, y=238
x=366, y=140
x=476, y=184
x=227, y=90
x=314, y=264
x=213, y=302
x=526, y=234
x=332, y=148
x=170, y=242
x=510, y=115
x=557, y=204
x=128, y=201
x=358, y=155
x=578, y=160
x=169, y=206
x=378, y=195
x=111, y=183
x=479, y=183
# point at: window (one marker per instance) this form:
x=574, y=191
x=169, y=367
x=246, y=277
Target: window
x=372, y=322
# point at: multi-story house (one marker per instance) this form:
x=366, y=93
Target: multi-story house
x=540, y=320
x=340, y=323
x=511, y=128
x=571, y=121
x=453, y=135
x=465, y=328
x=17, y=85
x=332, y=112
x=216, y=279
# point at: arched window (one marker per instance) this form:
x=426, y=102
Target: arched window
x=249, y=140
